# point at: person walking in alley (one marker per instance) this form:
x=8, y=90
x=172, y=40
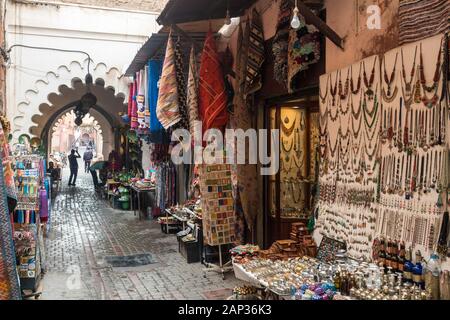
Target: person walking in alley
x=87, y=157
x=73, y=163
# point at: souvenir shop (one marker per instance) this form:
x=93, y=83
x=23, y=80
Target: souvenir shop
x=359, y=206
x=25, y=216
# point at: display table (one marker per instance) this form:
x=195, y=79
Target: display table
x=139, y=191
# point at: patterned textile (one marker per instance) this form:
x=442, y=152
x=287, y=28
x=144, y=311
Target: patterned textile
x=255, y=54
x=43, y=199
x=181, y=83
x=9, y=285
x=281, y=43
x=154, y=74
x=212, y=96
x=130, y=99
x=168, y=108
x=420, y=19
x=140, y=100
x=244, y=176
x=134, y=115
x=147, y=96
x=8, y=172
x=192, y=92
x=304, y=50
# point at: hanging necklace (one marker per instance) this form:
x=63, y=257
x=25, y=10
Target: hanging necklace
x=288, y=131
x=374, y=110
x=293, y=192
x=374, y=151
x=333, y=149
x=344, y=136
x=356, y=132
x=372, y=114
x=323, y=98
x=430, y=102
x=407, y=90
x=437, y=72
x=344, y=93
x=287, y=150
x=387, y=96
x=369, y=82
x=370, y=136
x=333, y=90
x=336, y=115
x=358, y=86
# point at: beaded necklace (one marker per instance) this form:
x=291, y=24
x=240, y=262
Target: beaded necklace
x=333, y=90
x=288, y=131
x=323, y=98
x=407, y=90
x=344, y=93
x=369, y=82
x=358, y=86
x=387, y=96
x=372, y=114
x=430, y=102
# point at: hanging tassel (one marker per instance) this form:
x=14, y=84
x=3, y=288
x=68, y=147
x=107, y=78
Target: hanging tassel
x=439, y=202
x=443, y=235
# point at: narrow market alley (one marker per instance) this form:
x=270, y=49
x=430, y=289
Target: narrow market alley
x=85, y=231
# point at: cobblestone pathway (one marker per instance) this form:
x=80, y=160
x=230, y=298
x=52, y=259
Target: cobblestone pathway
x=84, y=229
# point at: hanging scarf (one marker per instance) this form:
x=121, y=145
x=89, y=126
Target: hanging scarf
x=147, y=97
x=9, y=286
x=140, y=100
x=8, y=172
x=130, y=99
x=154, y=74
x=192, y=93
x=134, y=115
x=212, y=96
x=420, y=19
x=304, y=50
x=255, y=54
x=181, y=83
x=281, y=43
x=244, y=176
x=168, y=108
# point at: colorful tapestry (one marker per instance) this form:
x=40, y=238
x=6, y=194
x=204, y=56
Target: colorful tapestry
x=9, y=285
x=217, y=205
x=134, y=115
x=255, y=55
x=212, y=95
x=192, y=94
x=281, y=43
x=154, y=74
x=304, y=50
x=244, y=176
x=181, y=83
x=147, y=95
x=420, y=19
x=8, y=172
x=130, y=99
x=140, y=100
x=168, y=108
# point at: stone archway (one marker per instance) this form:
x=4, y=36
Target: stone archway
x=60, y=90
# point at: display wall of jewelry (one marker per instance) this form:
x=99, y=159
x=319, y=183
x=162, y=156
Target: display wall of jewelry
x=409, y=166
x=295, y=182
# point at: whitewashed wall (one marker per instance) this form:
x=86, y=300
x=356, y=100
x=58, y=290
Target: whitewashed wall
x=112, y=38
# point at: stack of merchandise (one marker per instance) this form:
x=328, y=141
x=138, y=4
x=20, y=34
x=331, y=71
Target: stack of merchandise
x=217, y=203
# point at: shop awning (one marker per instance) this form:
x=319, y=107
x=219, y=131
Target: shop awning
x=155, y=48
x=179, y=11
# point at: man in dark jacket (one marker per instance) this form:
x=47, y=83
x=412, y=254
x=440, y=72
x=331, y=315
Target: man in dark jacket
x=87, y=157
x=73, y=164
